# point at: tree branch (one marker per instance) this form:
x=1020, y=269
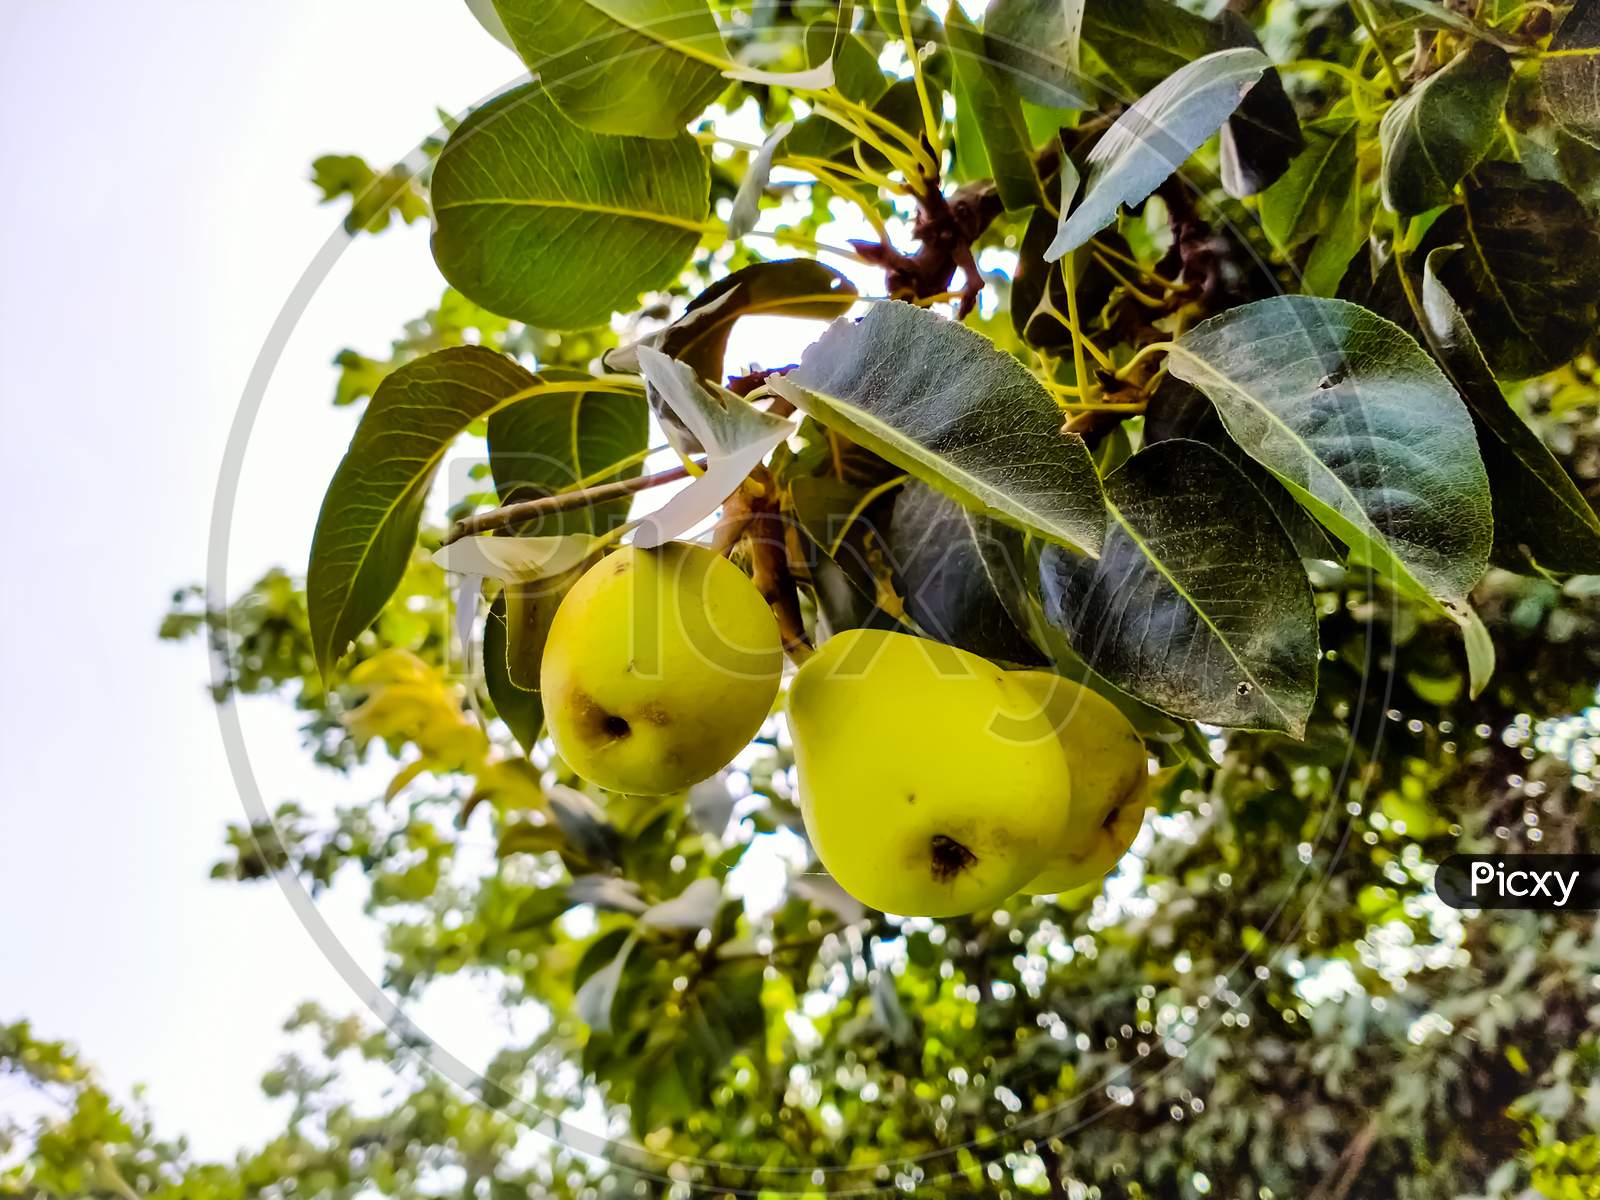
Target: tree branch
x=528, y=510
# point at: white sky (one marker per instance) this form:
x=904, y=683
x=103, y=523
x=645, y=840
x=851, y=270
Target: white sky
x=156, y=214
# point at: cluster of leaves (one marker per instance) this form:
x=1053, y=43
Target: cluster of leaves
x=1275, y=1000
x=1243, y=446
x=1366, y=427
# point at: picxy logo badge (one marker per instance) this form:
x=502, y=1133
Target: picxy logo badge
x=1535, y=882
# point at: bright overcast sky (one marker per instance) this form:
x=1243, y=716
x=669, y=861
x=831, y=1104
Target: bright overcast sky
x=156, y=216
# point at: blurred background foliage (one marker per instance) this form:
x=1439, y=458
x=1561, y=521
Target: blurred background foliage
x=1266, y=1001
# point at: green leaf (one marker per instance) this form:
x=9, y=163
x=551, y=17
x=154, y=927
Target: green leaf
x=596, y=998
x=1480, y=652
x=1156, y=136
x=1140, y=42
x=1037, y=42
x=943, y=403
x=1361, y=427
x=1528, y=277
x=1179, y=410
x=1198, y=604
x=373, y=507
x=640, y=67
x=375, y=199
x=987, y=93
x=521, y=708
x=1570, y=72
x=1430, y=14
x=1349, y=231
x=789, y=287
x=1307, y=198
x=1038, y=302
x=961, y=575
x=486, y=15
x=1538, y=510
x=1321, y=196
x=1260, y=139
x=546, y=444
x=736, y=436
x=856, y=73
x=536, y=573
x=747, y=200
x=541, y=220
x=818, y=137
x=1439, y=130
x=694, y=908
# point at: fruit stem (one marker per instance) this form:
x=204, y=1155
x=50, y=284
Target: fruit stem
x=752, y=516
x=528, y=510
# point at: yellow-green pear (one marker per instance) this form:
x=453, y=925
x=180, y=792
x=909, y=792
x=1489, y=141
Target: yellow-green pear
x=1110, y=780
x=930, y=784
x=660, y=667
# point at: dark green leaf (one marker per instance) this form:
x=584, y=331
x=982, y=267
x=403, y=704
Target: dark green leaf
x=1262, y=137
x=1198, y=604
x=1180, y=410
x=589, y=833
x=541, y=220
x=1439, y=130
x=598, y=995
x=1156, y=136
x=368, y=524
x=520, y=708
x=1538, y=510
x=620, y=66
x=536, y=573
x=1570, y=74
x=844, y=561
x=546, y=444
x=1037, y=43
x=1039, y=293
x=1362, y=428
x=1140, y=42
x=1551, y=151
x=961, y=574
x=991, y=99
x=790, y=287
x=1321, y=196
x=1528, y=277
x=944, y=404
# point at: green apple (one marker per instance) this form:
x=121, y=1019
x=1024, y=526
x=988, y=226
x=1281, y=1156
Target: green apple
x=930, y=784
x=1110, y=780
x=660, y=667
